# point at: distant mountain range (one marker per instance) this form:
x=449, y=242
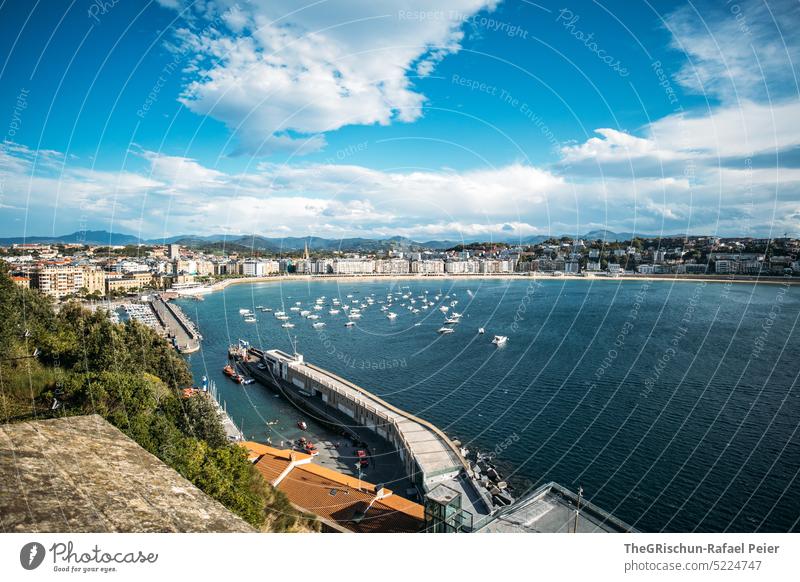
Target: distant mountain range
x=291, y=244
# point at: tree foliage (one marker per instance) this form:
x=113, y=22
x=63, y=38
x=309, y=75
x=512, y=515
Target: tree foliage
x=131, y=377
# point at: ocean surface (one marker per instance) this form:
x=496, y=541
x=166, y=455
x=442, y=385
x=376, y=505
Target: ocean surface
x=675, y=405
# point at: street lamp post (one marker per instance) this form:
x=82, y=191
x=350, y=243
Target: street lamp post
x=578, y=508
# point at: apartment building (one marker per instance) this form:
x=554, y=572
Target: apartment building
x=58, y=280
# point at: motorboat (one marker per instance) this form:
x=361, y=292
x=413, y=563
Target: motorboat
x=391, y=315
x=287, y=325
x=349, y=323
x=318, y=324
x=249, y=319
x=481, y=330
x=444, y=330
x=301, y=424
x=499, y=340
x=333, y=312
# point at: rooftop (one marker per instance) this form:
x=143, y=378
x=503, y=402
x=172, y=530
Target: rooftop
x=551, y=509
x=343, y=502
x=81, y=474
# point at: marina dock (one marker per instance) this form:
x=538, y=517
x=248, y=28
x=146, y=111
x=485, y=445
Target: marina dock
x=429, y=457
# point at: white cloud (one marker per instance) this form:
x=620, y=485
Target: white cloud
x=181, y=195
x=744, y=130
x=279, y=74
x=738, y=50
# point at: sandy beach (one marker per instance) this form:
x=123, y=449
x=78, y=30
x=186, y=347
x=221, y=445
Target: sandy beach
x=776, y=280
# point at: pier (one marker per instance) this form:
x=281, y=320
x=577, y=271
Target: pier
x=182, y=332
x=429, y=457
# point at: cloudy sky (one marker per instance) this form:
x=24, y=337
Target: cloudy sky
x=474, y=119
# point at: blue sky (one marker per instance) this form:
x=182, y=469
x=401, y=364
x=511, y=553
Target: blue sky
x=450, y=119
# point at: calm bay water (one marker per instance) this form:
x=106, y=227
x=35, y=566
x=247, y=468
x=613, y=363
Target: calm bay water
x=674, y=405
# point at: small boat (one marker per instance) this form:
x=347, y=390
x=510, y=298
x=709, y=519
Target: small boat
x=301, y=424
x=266, y=309
x=318, y=324
x=244, y=311
x=451, y=321
x=444, y=308
x=287, y=325
x=354, y=315
x=228, y=371
x=305, y=313
x=312, y=316
x=282, y=317
x=333, y=312
x=391, y=315
x=444, y=330
x=294, y=308
x=499, y=340
x=280, y=313
x=350, y=324
x=249, y=319
x=481, y=330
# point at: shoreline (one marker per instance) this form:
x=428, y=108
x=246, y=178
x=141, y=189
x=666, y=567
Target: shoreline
x=773, y=280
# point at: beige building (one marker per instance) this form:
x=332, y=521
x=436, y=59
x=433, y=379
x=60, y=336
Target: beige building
x=94, y=280
x=131, y=282
x=58, y=280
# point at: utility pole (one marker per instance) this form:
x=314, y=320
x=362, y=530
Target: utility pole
x=578, y=508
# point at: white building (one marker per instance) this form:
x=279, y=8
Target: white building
x=428, y=267
x=353, y=266
x=397, y=266
x=256, y=268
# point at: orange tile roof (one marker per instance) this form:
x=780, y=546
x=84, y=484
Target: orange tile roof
x=272, y=467
x=336, y=497
x=257, y=450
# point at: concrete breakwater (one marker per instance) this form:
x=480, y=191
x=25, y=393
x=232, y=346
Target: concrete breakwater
x=429, y=457
x=180, y=329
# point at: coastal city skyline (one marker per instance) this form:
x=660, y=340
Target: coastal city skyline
x=477, y=119
x=400, y=267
